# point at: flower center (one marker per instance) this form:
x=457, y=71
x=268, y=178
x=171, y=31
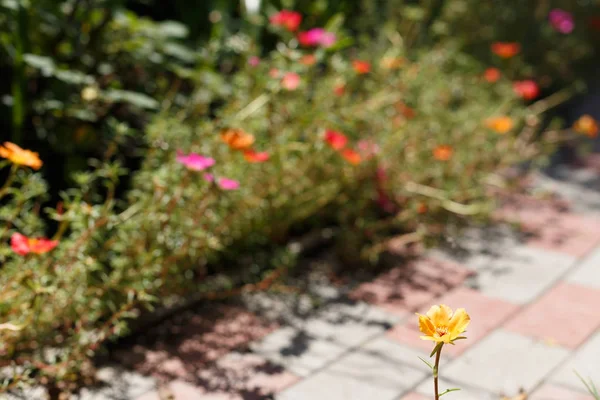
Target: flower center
x=441, y=330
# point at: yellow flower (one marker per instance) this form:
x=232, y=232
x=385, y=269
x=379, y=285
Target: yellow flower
x=500, y=124
x=586, y=125
x=19, y=156
x=442, y=325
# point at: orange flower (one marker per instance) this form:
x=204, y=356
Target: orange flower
x=506, y=49
x=308, y=60
x=237, y=139
x=492, y=75
x=443, y=152
x=361, y=67
x=500, y=124
x=442, y=325
x=23, y=245
x=19, y=156
x=256, y=157
x=336, y=140
x=351, y=156
x=586, y=125
x=290, y=81
x=422, y=208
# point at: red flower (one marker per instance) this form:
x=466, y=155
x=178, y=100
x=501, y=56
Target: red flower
x=336, y=140
x=290, y=20
x=361, y=67
x=492, y=75
x=256, y=157
x=308, y=60
x=339, y=89
x=443, y=152
x=23, y=245
x=506, y=49
x=351, y=156
x=527, y=89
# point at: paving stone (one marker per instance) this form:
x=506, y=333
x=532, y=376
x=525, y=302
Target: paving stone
x=587, y=273
x=486, y=314
x=566, y=315
x=554, y=392
x=118, y=384
x=465, y=392
x=347, y=324
x=519, y=276
x=503, y=362
x=408, y=287
x=30, y=393
x=187, y=343
x=372, y=372
x=581, y=187
x=585, y=362
x=415, y=396
x=553, y=229
x=297, y=351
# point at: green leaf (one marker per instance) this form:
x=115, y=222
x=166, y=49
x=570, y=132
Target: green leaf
x=589, y=386
x=137, y=99
x=44, y=64
x=426, y=362
x=436, y=348
x=414, y=13
x=448, y=391
x=335, y=23
x=173, y=29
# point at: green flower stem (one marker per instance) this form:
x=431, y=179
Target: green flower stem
x=436, y=372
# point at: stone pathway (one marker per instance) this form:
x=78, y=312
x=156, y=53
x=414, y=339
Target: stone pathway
x=533, y=298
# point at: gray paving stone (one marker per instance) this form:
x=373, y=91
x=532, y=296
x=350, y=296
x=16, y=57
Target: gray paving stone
x=587, y=273
x=402, y=353
x=347, y=324
x=585, y=362
x=580, y=187
x=519, y=275
x=465, y=392
x=297, y=351
x=504, y=362
x=375, y=371
x=29, y=393
x=118, y=384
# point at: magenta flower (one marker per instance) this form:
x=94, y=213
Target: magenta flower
x=316, y=37
x=223, y=183
x=561, y=20
x=228, y=184
x=254, y=61
x=194, y=161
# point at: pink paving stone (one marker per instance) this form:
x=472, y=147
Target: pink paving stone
x=552, y=392
x=149, y=396
x=551, y=228
x=408, y=287
x=486, y=314
x=565, y=316
x=179, y=347
x=414, y=396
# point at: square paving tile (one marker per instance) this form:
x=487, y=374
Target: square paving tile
x=585, y=362
x=486, y=314
x=504, y=361
x=372, y=372
x=347, y=324
x=556, y=230
x=518, y=276
x=406, y=288
x=415, y=396
x=587, y=273
x=118, y=384
x=297, y=351
x=566, y=315
x=554, y=392
x=465, y=392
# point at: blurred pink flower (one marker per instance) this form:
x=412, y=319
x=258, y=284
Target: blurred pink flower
x=194, y=161
x=561, y=20
x=209, y=177
x=290, y=81
x=228, y=184
x=254, y=61
x=316, y=37
x=367, y=148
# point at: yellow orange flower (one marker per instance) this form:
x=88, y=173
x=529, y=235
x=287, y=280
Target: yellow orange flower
x=440, y=324
x=351, y=156
x=586, y=125
x=506, y=49
x=237, y=139
x=361, y=67
x=19, y=156
x=500, y=124
x=443, y=152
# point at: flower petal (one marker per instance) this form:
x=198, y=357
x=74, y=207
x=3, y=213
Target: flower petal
x=459, y=322
x=425, y=325
x=440, y=315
